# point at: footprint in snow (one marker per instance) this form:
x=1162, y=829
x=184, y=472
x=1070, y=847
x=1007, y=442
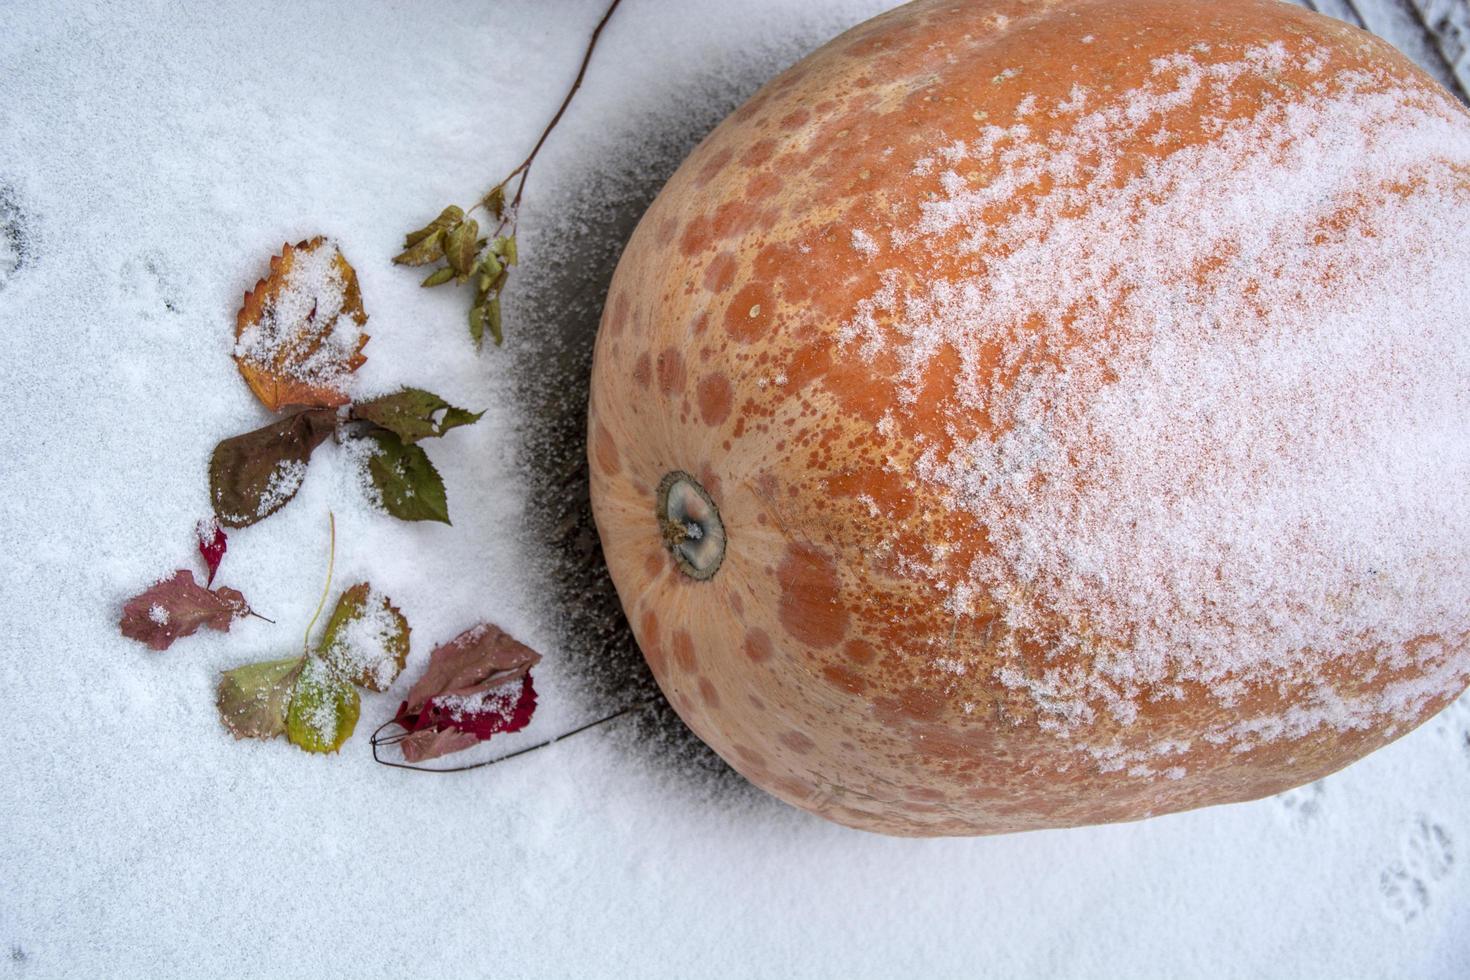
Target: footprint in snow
x=1408, y=885
x=1302, y=807
x=16, y=248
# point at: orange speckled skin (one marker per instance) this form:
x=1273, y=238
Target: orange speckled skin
x=807, y=662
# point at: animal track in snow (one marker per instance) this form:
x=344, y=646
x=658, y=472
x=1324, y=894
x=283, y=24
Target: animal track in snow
x=1302, y=806
x=148, y=282
x=1407, y=886
x=16, y=249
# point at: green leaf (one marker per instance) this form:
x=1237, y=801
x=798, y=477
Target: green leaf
x=324, y=708
x=489, y=268
x=253, y=699
x=494, y=201
x=427, y=250
x=438, y=277
x=366, y=640
x=252, y=476
x=459, y=246
x=410, y=487
x=410, y=413
x=505, y=247
x=492, y=319
x=477, y=325
x=448, y=218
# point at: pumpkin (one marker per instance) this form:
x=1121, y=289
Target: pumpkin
x=1034, y=414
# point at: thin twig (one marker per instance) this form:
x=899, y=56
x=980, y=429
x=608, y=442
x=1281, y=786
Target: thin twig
x=523, y=169
x=395, y=739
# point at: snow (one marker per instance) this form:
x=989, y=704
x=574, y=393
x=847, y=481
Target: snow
x=152, y=162
x=1207, y=502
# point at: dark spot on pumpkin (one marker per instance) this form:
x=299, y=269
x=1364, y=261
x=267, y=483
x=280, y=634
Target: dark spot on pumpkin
x=713, y=166
x=811, y=608
x=859, y=651
x=683, y=650
x=604, y=450
x=617, y=317
x=848, y=680
x=797, y=742
x=757, y=645
x=796, y=118
x=707, y=692
x=642, y=370
x=750, y=756
x=762, y=186
x=715, y=396
x=749, y=312
x=696, y=237
x=720, y=272
x=794, y=788
x=758, y=153
x=649, y=641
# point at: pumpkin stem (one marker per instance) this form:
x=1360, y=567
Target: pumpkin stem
x=689, y=522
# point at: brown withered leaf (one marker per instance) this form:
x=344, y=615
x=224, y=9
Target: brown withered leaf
x=253, y=699
x=178, y=607
x=299, y=333
x=252, y=476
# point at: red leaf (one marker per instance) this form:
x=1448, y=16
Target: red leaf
x=177, y=607
x=212, y=544
x=468, y=694
x=452, y=722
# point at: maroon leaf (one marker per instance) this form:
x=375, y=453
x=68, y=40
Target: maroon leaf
x=452, y=722
x=177, y=607
x=468, y=693
x=212, y=544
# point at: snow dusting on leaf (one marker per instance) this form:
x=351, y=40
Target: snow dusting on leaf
x=299, y=333
x=252, y=476
x=476, y=685
x=178, y=607
x=366, y=640
x=324, y=708
x=408, y=485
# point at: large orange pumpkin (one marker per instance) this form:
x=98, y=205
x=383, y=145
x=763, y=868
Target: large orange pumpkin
x=1030, y=414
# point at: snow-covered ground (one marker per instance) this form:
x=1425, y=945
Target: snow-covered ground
x=152, y=157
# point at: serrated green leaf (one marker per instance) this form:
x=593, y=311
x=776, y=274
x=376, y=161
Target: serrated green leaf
x=438, y=277
x=413, y=414
x=459, y=246
x=366, y=639
x=253, y=699
x=410, y=487
x=449, y=217
x=429, y=249
x=324, y=708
